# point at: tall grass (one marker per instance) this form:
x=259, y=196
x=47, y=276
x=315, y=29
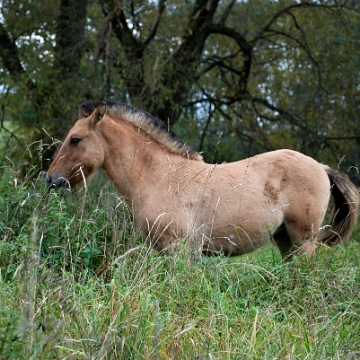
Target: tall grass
x=77, y=282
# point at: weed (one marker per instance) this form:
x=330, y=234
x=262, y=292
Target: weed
x=77, y=282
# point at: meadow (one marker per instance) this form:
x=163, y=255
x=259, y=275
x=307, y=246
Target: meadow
x=78, y=282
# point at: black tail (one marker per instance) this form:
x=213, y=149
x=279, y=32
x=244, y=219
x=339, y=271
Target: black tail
x=345, y=212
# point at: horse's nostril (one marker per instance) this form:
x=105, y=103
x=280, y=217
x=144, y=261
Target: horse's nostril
x=49, y=182
x=53, y=182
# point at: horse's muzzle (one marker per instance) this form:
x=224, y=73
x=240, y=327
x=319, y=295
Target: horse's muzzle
x=52, y=183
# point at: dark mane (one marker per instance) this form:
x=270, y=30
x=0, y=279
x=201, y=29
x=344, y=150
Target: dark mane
x=145, y=121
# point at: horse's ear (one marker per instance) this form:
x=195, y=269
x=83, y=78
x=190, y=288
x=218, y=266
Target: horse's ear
x=99, y=113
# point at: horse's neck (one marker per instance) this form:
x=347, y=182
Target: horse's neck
x=137, y=164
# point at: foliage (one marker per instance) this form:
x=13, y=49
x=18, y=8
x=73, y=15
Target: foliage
x=263, y=74
x=59, y=217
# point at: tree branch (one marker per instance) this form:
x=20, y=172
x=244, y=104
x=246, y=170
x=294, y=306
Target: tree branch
x=242, y=134
x=348, y=137
x=210, y=115
x=155, y=25
x=226, y=13
x=196, y=31
x=299, y=123
x=101, y=43
x=287, y=9
x=220, y=62
x=120, y=27
x=255, y=100
x=203, y=12
x=304, y=45
x=245, y=47
x=267, y=27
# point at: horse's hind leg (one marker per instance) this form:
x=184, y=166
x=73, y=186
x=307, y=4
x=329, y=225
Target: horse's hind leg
x=294, y=239
x=283, y=242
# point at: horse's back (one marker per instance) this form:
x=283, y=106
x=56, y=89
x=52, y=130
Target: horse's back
x=288, y=180
x=284, y=172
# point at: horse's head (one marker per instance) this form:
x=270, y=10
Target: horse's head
x=81, y=153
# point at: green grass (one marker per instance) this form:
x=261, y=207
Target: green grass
x=77, y=282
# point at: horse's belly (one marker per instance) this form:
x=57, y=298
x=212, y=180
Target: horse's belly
x=241, y=237
x=233, y=244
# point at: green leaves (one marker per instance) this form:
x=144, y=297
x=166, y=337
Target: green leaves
x=263, y=74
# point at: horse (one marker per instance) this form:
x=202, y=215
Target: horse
x=230, y=208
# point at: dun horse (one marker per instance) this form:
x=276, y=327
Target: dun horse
x=232, y=208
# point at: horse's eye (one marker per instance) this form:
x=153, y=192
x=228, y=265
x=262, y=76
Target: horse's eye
x=74, y=140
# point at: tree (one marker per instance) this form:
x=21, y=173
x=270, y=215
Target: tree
x=257, y=74
x=41, y=57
